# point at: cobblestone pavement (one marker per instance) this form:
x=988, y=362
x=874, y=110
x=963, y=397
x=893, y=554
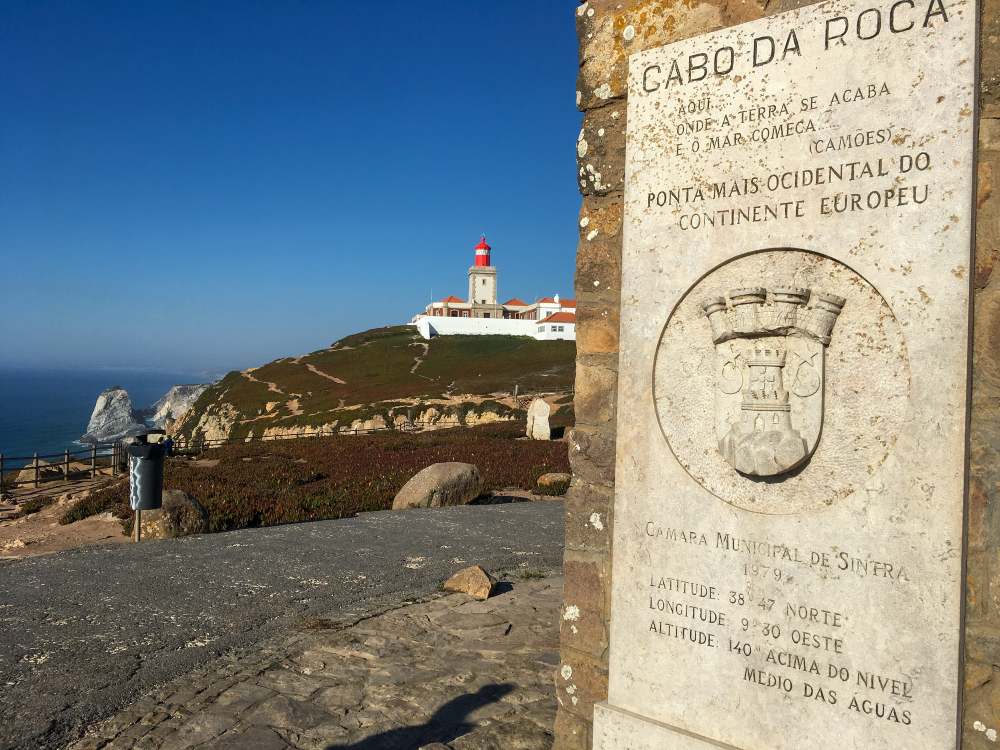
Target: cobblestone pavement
x=446, y=673
x=85, y=633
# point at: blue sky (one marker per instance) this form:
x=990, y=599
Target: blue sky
x=205, y=186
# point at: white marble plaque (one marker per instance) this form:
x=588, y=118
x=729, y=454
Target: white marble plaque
x=792, y=409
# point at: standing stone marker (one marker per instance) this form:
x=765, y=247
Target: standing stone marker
x=790, y=481
x=538, y=420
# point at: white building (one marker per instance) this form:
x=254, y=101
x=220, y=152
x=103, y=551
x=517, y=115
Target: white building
x=549, y=318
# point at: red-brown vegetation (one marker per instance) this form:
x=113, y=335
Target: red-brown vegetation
x=308, y=479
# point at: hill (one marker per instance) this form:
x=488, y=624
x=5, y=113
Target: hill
x=383, y=377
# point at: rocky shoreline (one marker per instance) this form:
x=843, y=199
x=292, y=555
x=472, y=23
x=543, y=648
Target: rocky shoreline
x=115, y=417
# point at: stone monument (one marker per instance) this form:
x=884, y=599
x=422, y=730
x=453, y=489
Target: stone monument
x=792, y=396
x=538, y=420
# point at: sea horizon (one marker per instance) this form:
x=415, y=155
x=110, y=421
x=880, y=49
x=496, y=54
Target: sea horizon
x=46, y=410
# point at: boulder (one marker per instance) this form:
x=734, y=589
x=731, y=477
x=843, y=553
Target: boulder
x=473, y=581
x=538, y=420
x=180, y=515
x=450, y=483
x=45, y=471
x=553, y=483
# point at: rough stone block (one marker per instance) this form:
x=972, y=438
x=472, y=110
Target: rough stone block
x=989, y=134
x=978, y=513
x=588, y=517
x=584, y=616
x=598, y=256
x=977, y=674
x=594, y=400
x=989, y=64
x=982, y=643
x=981, y=719
x=598, y=269
x=600, y=152
x=988, y=216
x=596, y=326
x=986, y=343
x=611, y=31
x=581, y=682
x=572, y=732
x=592, y=453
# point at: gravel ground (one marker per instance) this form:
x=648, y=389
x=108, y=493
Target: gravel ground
x=88, y=631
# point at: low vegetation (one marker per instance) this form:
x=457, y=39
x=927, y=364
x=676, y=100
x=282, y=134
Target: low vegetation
x=267, y=483
x=34, y=505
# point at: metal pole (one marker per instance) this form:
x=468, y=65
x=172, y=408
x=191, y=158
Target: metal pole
x=137, y=527
x=93, y=461
x=66, y=465
x=35, y=461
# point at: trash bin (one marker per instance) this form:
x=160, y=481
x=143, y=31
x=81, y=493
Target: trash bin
x=146, y=475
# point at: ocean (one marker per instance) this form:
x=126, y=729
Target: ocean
x=46, y=411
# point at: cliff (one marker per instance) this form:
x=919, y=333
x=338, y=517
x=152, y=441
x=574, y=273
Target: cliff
x=113, y=417
x=174, y=403
x=385, y=377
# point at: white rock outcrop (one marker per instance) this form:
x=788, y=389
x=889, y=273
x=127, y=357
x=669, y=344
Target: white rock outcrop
x=174, y=403
x=113, y=418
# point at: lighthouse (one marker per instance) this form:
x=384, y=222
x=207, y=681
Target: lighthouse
x=483, y=282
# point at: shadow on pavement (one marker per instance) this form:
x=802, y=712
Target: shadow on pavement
x=448, y=723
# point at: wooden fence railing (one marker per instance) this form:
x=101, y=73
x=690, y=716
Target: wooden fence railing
x=85, y=463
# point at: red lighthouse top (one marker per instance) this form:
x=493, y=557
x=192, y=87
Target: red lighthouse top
x=482, y=252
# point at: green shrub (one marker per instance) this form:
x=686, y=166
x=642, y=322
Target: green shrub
x=33, y=505
x=112, y=498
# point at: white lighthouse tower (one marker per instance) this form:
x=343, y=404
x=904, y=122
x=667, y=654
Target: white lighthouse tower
x=483, y=280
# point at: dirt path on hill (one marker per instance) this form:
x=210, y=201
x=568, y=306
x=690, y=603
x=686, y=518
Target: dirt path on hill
x=419, y=359
x=316, y=371
x=273, y=387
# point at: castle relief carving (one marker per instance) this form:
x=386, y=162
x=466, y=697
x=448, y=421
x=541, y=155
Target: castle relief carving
x=769, y=374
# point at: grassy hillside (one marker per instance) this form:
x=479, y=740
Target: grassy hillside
x=381, y=371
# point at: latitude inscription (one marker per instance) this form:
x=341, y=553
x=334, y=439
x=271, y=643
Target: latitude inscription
x=787, y=559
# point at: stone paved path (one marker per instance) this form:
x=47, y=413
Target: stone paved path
x=86, y=632
x=448, y=673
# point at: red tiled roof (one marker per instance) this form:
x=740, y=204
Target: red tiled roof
x=568, y=302
x=546, y=299
x=560, y=317
x=453, y=298
x=515, y=302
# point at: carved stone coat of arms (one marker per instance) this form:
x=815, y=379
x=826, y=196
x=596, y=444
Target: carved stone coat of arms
x=769, y=375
